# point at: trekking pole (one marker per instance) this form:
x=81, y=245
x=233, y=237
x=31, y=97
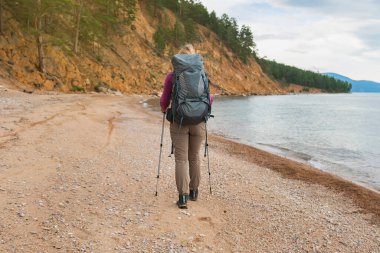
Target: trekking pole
x=159, y=159
x=208, y=158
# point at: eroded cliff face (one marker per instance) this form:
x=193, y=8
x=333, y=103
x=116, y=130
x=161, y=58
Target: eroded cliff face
x=129, y=64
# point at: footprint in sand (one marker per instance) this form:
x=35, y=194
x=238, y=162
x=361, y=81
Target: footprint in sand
x=206, y=219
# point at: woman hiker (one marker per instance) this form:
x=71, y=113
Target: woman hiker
x=186, y=138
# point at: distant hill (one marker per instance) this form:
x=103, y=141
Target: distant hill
x=357, y=85
x=291, y=75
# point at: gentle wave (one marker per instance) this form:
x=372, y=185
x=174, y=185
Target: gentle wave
x=337, y=133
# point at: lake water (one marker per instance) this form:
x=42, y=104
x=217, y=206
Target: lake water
x=338, y=133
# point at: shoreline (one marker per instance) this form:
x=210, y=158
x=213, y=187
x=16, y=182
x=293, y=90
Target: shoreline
x=296, y=160
x=152, y=103
x=365, y=197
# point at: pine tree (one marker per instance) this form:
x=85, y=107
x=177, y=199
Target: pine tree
x=1, y=17
x=78, y=8
x=247, y=45
x=156, y=5
x=38, y=17
x=91, y=21
x=95, y=18
x=288, y=74
x=190, y=33
x=159, y=40
x=172, y=5
x=246, y=39
x=179, y=35
x=213, y=23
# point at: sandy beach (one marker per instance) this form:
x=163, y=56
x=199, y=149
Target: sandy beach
x=78, y=174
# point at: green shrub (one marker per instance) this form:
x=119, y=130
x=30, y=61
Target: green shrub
x=75, y=88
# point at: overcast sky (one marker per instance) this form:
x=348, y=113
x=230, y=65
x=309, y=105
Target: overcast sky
x=341, y=36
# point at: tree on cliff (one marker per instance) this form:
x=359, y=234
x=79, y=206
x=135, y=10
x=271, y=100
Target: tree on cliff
x=78, y=14
x=159, y=40
x=39, y=29
x=192, y=12
x=247, y=44
x=87, y=25
x=39, y=17
x=85, y=21
x=190, y=32
x=178, y=34
x=1, y=17
x=289, y=74
x=95, y=18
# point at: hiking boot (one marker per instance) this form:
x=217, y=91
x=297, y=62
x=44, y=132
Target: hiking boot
x=193, y=195
x=182, y=202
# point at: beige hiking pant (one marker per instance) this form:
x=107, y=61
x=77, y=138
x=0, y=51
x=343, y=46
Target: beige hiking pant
x=187, y=142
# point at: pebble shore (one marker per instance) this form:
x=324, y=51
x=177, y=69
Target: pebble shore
x=78, y=174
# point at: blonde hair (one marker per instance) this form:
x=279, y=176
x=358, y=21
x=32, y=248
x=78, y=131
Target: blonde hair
x=187, y=49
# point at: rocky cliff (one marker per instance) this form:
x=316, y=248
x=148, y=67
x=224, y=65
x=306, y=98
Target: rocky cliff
x=128, y=64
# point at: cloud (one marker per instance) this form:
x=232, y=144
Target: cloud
x=353, y=9
x=276, y=36
x=298, y=51
x=329, y=35
x=370, y=35
x=221, y=7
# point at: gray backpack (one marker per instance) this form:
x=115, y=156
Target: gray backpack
x=190, y=95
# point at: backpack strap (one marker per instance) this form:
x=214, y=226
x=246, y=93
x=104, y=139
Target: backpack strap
x=207, y=88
